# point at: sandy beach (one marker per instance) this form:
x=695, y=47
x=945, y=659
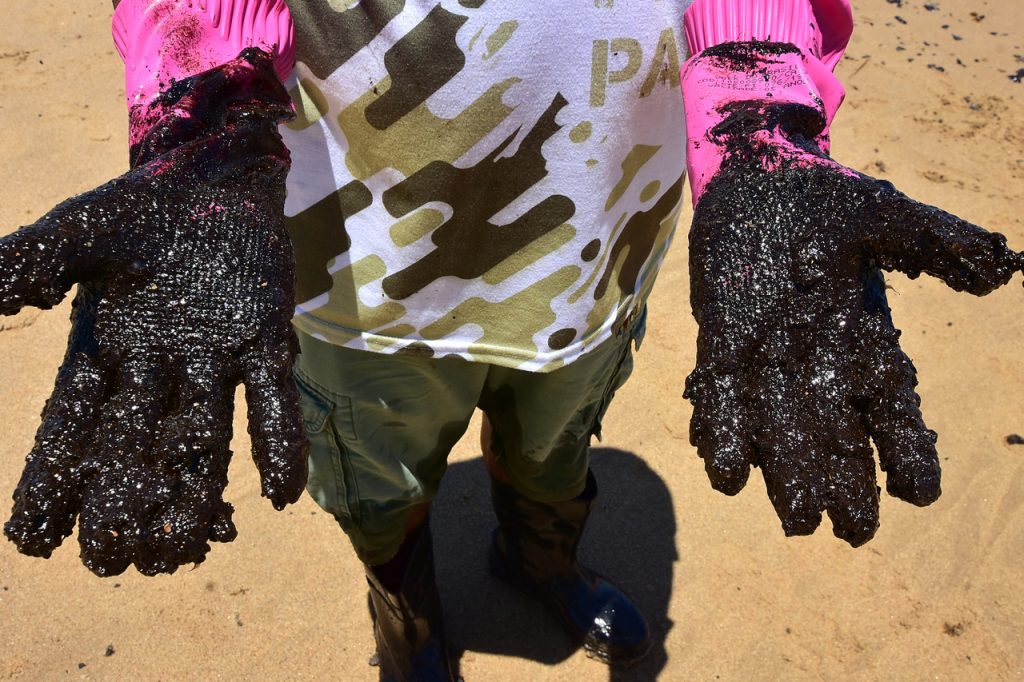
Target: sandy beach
x=932, y=106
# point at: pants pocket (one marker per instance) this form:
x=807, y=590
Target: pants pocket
x=329, y=475
x=623, y=370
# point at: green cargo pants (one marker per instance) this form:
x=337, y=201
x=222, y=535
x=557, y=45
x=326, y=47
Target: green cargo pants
x=381, y=427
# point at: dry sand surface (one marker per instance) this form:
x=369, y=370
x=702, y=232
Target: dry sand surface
x=936, y=595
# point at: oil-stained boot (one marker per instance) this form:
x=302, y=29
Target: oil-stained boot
x=407, y=618
x=534, y=549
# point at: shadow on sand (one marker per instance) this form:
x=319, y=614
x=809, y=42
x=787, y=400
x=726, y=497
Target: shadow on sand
x=630, y=539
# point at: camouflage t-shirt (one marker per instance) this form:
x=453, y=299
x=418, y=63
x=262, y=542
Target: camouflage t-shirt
x=493, y=179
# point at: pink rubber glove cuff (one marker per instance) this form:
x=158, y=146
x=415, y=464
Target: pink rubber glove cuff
x=162, y=41
x=820, y=29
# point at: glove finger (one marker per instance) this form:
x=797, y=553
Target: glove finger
x=906, y=446
x=789, y=450
x=35, y=268
x=852, y=500
x=913, y=238
x=276, y=427
x=852, y=494
x=891, y=406
x=209, y=417
x=907, y=452
x=124, y=486
x=193, y=448
x=47, y=498
x=796, y=486
x=40, y=262
x=719, y=429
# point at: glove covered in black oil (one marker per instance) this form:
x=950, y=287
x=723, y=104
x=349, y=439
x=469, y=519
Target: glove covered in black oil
x=186, y=289
x=798, y=362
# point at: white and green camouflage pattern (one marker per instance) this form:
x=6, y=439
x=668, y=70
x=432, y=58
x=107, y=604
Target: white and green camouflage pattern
x=494, y=179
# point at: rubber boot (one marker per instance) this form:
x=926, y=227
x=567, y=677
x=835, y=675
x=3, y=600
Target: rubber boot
x=407, y=619
x=534, y=549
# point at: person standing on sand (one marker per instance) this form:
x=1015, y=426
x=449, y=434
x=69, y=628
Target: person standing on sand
x=480, y=196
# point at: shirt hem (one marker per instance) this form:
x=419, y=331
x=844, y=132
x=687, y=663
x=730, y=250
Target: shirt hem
x=623, y=322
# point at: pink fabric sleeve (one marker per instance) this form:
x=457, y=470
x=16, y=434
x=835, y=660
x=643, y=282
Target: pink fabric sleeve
x=165, y=40
x=821, y=29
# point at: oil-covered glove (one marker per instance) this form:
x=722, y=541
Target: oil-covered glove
x=798, y=362
x=186, y=289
